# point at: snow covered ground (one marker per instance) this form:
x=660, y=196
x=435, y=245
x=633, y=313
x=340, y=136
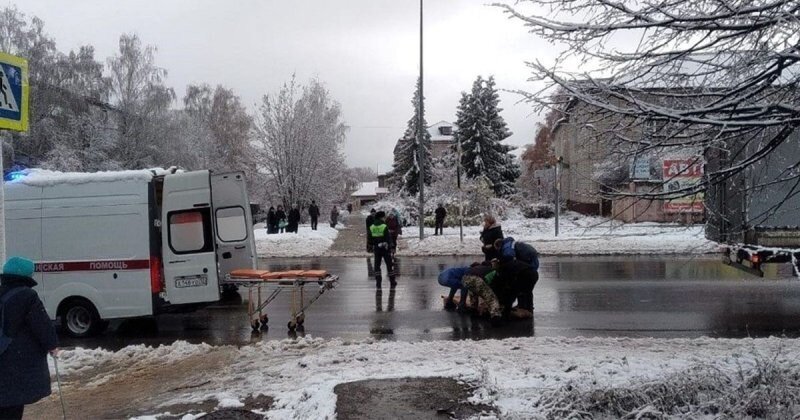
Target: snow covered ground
x=579, y=235
x=304, y=243
x=521, y=377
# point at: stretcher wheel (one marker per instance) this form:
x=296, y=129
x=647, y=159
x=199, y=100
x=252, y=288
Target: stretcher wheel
x=264, y=320
x=291, y=325
x=255, y=325
x=300, y=320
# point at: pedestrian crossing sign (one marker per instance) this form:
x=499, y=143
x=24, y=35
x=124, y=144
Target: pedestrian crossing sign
x=13, y=93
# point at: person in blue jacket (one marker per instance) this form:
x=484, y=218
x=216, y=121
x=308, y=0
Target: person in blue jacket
x=453, y=278
x=24, y=375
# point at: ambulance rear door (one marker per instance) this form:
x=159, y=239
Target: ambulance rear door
x=233, y=221
x=187, y=232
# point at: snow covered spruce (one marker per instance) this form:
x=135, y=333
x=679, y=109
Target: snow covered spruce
x=519, y=377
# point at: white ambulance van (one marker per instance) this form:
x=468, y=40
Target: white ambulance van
x=113, y=245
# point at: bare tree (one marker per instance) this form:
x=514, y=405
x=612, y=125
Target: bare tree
x=719, y=78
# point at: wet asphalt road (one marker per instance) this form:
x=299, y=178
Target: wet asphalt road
x=575, y=296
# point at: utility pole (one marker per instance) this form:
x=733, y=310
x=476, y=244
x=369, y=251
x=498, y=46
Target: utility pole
x=460, y=193
x=558, y=189
x=420, y=136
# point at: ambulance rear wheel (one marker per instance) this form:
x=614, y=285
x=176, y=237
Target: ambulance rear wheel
x=79, y=318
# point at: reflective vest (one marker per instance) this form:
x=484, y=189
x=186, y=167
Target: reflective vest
x=378, y=231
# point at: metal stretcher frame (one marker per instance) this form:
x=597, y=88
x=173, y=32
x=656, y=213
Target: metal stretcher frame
x=261, y=292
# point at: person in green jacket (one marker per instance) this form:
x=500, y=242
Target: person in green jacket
x=381, y=241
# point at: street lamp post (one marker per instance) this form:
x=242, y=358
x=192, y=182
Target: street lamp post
x=460, y=193
x=420, y=136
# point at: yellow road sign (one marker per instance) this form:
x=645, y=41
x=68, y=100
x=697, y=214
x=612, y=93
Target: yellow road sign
x=13, y=92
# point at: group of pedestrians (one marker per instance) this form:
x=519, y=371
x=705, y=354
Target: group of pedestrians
x=279, y=222
x=508, y=274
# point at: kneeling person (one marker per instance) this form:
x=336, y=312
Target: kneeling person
x=454, y=279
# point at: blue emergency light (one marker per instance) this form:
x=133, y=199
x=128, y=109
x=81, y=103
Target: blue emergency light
x=12, y=176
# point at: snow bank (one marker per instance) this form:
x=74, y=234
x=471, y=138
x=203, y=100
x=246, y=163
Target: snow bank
x=304, y=243
x=80, y=359
x=44, y=178
x=523, y=377
x=578, y=235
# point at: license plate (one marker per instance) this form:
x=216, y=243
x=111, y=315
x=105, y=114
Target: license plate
x=191, y=281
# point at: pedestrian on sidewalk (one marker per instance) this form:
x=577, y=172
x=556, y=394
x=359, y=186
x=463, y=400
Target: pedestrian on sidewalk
x=395, y=230
x=382, y=245
x=294, y=219
x=491, y=232
x=24, y=375
x=441, y=214
x=313, y=212
x=334, y=216
x=281, y=216
x=370, y=219
x=272, y=221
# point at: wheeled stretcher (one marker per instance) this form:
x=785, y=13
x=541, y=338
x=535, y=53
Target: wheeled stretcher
x=264, y=286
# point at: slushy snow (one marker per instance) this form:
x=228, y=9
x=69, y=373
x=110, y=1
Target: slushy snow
x=522, y=377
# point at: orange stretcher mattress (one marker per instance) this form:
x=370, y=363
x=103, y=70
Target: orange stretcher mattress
x=249, y=273
x=246, y=273
x=315, y=274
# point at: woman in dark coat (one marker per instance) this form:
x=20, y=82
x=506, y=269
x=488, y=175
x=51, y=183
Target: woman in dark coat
x=24, y=375
x=272, y=221
x=334, y=216
x=395, y=230
x=281, y=216
x=491, y=232
x=294, y=219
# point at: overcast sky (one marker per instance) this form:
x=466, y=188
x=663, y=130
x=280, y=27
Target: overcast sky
x=365, y=51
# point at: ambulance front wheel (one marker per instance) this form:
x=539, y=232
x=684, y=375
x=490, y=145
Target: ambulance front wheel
x=79, y=318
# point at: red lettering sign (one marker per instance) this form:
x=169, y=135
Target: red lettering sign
x=107, y=265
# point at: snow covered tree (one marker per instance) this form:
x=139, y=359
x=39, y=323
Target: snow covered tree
x=220, y=112
x=718, y=78
x=480, y=131
x=299, y=139
x=406, y=168
x=142, y=97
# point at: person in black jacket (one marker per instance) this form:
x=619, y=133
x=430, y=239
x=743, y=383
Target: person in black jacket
x=24, y=375
x=272, y=221
x=491, y=232
x=370, y=219
x=294, y=219
x=313, y=212
x=441, y=214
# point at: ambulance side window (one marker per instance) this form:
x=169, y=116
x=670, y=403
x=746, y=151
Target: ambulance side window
x=231, y=224
x=190, y=231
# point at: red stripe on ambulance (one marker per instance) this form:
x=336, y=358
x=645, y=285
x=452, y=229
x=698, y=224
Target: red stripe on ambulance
x=107, y=265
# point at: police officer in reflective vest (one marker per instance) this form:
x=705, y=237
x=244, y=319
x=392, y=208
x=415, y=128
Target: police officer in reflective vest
x=382, y=248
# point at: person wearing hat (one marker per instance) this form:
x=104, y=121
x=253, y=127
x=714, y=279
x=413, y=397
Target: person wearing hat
x=24, y=375
x=382, y=245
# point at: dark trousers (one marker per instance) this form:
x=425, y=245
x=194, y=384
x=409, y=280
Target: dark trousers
x=439, y=229
x=382, y=254
x=314, y=222
x=525, y=287
x=11, y=413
